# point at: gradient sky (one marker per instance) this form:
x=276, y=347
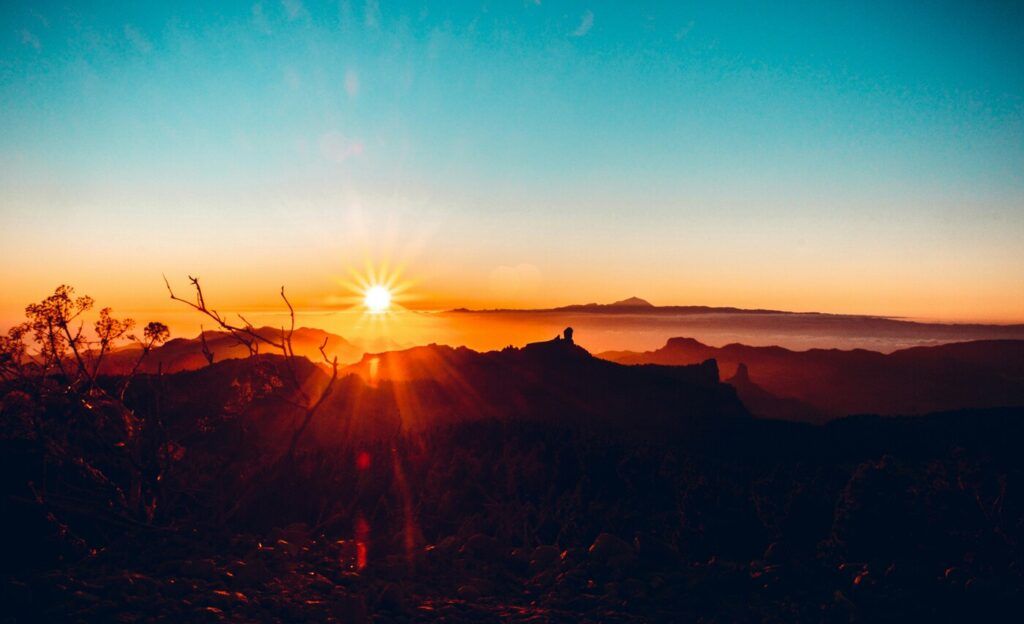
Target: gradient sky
x=863, y=159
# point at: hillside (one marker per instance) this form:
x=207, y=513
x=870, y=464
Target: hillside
x=562, y=484
x=974, y=374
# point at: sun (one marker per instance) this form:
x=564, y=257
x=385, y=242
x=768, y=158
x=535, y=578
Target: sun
x=377, y=299
x=380, y=293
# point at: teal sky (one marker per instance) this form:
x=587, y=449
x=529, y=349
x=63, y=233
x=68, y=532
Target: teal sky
x=864, y=158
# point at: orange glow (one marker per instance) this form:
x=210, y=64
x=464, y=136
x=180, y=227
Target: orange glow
x=417, y=364
x=374, y=367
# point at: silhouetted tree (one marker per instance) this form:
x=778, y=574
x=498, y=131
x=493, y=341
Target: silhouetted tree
x=50, y=393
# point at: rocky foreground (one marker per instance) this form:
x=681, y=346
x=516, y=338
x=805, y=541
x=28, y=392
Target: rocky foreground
x=297, y=576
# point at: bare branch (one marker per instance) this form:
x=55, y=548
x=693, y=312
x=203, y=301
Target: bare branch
x=252, y=339
x=246, y=335
x=324, y=353
x=291, y=315
x=206, y=348
x=312, y=410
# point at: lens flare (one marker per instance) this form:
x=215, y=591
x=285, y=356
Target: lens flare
x=378, y=291
x=377, y=299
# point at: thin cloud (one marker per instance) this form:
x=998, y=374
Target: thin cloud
x=586, y=23
x=259, y=19
x=684, y=31
x=351, y=83
x=294, y=8
x=29, y=39
x=372, y=14
x=137, y=39
x=335, y=147
x=42, y=18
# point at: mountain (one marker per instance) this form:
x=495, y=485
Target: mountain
x=633, y=302
x=629, y=305
x=977, y=374
x=545, y=380
x=427, y=387
x=187, y=353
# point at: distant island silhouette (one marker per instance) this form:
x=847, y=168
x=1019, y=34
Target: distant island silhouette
x=622, y=323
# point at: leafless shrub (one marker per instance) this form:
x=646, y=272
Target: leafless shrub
x=246, y=335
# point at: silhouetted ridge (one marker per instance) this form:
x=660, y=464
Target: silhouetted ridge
x=977, y=374
x=557, y=380
x=764, y=404
x=396, y=392
x=633, y=302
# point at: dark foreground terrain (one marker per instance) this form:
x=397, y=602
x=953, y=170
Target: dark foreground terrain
x=520, y=516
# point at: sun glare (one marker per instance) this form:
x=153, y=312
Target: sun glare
x=377, y=299
x=378, y=293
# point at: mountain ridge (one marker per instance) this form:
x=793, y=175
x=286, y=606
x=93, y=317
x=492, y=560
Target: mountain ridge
x=915, y=380
x=430, y=386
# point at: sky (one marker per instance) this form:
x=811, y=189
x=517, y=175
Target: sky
x=838, y=157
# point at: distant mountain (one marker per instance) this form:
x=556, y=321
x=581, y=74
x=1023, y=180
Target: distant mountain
x=633, y=302
x=764, y=404
x=187, y=353
x=631, y=322
x=978, y=374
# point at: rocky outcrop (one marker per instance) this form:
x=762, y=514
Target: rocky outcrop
x=764, y=404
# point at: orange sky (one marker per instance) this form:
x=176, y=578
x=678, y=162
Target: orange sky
x=436, y=275
x=518, y=261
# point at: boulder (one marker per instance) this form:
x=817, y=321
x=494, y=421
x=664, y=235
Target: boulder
x=297, y=533
x=544, y=558
x=205, y=569
x=392, y=598
x=249, y=573
x=483, y=547
x=320, y=583
x=469, y=592
x=654, y=551
x=350, y=609
x=610, y=549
